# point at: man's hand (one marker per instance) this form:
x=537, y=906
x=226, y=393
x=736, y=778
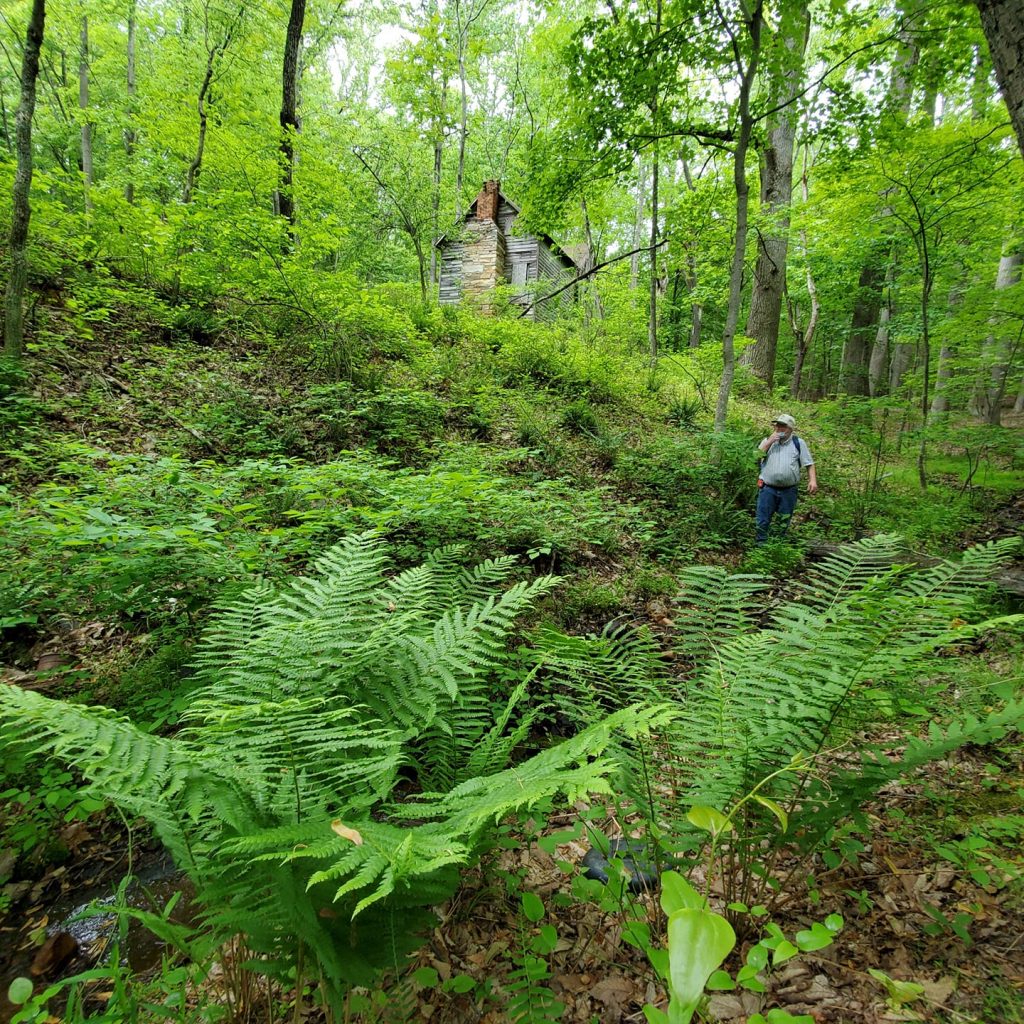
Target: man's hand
x=812, y=480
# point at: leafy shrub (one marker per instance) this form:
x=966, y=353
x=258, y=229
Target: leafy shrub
x=400, y=421
x=775, y=558
x=683, y=410
x=703, y=485
x=579, y=418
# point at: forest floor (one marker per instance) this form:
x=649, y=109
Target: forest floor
x=933, y=899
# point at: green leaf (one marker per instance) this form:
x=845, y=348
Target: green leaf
x=784, y=951
x=775, y=808
x=721, y=981
x=757, y=957
x=461, y=984
x=533, y=907
x=816, y=937
x=654, y=1015
x=834, y=923
x=678, y=894
x=698, y=942
x=425, y=977
x=899, y=992
x=708, y=819
x=20, y=991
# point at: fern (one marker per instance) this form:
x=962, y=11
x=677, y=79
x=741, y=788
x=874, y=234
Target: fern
x=314, y=696
x=803, y=682
x=713, y=607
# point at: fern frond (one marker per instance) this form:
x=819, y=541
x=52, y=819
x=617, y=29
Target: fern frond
x=586, y=677
x=712, y=607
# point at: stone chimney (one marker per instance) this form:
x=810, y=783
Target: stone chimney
x=483, y=261
x=487, y=201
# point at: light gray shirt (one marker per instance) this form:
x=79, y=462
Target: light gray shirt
x=782, y=463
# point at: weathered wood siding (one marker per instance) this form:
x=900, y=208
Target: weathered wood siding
x=507, y=213
x=450, y=281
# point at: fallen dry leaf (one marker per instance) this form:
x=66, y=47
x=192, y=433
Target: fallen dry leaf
x=346, y=833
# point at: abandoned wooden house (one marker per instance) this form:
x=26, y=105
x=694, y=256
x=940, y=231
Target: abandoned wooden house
x=484, y=251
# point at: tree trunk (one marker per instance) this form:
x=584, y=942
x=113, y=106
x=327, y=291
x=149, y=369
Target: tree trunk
x=878, y=367
x=288, y=119
x=853, y=374
x=776, y=197
x=732, y=316
x=435, y=207
x=652, y=311
x=1003, y=24
x=14, y=314
x=83, y=106
x=638, y=221
x=995, y=353
x=589, y=262
x=129, y=132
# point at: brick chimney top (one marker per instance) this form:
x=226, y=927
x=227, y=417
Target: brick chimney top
x=487, y=201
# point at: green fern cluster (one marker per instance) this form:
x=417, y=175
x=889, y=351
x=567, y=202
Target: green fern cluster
x=863, y=622
x=756, y=687
x=317, y=698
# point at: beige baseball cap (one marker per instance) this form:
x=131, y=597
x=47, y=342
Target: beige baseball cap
x=785, y=420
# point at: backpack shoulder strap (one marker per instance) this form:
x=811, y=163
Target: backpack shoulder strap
x=796, y=441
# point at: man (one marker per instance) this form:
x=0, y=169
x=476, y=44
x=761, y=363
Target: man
x=784, y=455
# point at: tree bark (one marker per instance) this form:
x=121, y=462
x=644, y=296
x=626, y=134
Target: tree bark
x=129, y=132
x=878, y=365
x=14, y=314
x=83, y=106
x=804, y=339
x=995, y=353
x=853, y=374
x=1002, y=21
x=289, y=119
x=754, y=26
x=638, y=221
x=652, y=311
x=776, y=198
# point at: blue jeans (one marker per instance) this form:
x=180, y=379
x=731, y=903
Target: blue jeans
x=772, y=501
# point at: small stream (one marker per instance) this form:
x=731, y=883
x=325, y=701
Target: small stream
x=75, y=943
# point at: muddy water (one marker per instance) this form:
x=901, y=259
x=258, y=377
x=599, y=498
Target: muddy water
x=91, y=934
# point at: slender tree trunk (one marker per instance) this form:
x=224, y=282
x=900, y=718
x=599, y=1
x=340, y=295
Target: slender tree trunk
x=1003, y=24
x=926, y=290
x=589, y=262
x=805, y=338
x=776, y=197
x=1018, y=405
x=17, y=279
x=289, y=120
x=853, y=375
x=129, y=132
x=946, y=370
x=435, y=202
x=652, y=310
x=878, y=366
x=638, y=221
x=732, y=316
x=990, y=389
x=8, y=144
x=83, y=106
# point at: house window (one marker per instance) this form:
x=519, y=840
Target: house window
x=519, y=274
